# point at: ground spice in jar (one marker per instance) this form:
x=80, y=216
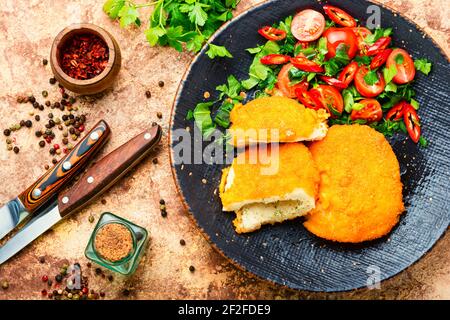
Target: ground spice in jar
x=84, y=56
x=113, y=242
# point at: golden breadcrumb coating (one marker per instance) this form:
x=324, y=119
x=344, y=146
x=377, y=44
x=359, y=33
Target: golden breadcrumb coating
x=360, y=194
x=295, y=170
x=291, y=120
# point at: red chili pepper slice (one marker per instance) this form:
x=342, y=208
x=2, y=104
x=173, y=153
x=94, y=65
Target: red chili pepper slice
x=275, y=59
x=412, y=122
x=271, y=33
x=378, y=46
x=380, y=59
x=338, y=84
x=339, y=16
x=396, y=112
x=302, y=63
x=348, y=74
x=309, y=100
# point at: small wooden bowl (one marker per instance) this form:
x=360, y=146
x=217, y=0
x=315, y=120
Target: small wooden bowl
x=100, y=82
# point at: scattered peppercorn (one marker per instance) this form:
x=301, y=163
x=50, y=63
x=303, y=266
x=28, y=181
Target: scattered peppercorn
x=98, y=271
x=161, y=83
x=7, y=132
x=37, y=117
x=52, y=80
x=44, y=292
x=91, y=219
x=45, y=94
x=28, y=123
x=44, y=62
x=42, y=259
x=5, y=285
x=155, y=160
x=46, y=167
x=148, y=94
x=49, y=283
x=59, y=278
x=163, y=213
x=16, y=149
x=110, y=278
x=103, y=201
x=54, y=161
x=191, y=268
x=182, y=242
x=159, y=114
x=44, y=278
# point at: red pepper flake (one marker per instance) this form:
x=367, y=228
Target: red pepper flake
x=84, y=56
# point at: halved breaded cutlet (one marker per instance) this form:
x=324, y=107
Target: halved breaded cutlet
x=360, y=196
x=261, y=196
x=283, y=119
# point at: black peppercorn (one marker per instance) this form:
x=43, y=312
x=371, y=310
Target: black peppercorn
x=54, y=161
x=7, y=132
x=65, y=95
x=48, y=103
x=161, y=83
x=59, y=278
x=35, y=105
x=159, y=114
x=71, y=116
x=22, y=123
x=148, y=94
x=163, y=213
x=16, y=149
x=65, y=141
x=50, y=115
x=52, y=151
x=51, y=123
x=44, y=62
x=28, y=123
x=65, y=117
x=155, y=160
x=42, y=143
x=52, y=80
x=98, y=271
x=110, y=278
x=32, y=99
x=38, y=133
x=72, y=130
x=162, y=201
x=41, y=107
x=182, y=242
x=191, y=268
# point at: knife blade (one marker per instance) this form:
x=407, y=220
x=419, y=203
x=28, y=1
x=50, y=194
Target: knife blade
x=16, y=211
x=97, y=179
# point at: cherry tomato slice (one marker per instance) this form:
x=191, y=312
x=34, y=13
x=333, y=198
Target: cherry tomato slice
x=334, y=82
x=283, y=82
x=331, y=99
x=339, y=16
x=361, y=33
x=302, y=63
x=275, y=59
x=368, y=91
x=308, y=25
x=378, y=46
x=412, y=122
x=340, y=36
x=404, y=64
x=380, y=59
x=371, y=111
x=396, y=112
x=308, y=100
x=271, y=33
x=348, y=74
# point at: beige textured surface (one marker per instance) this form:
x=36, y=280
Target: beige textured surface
x=26, y=32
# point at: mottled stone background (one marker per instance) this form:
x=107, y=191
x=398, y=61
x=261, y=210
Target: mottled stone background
x=27, y=29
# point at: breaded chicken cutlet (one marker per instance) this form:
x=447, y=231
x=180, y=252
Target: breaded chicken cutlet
x=275, y=119
x=360, y=194
x=262, y=193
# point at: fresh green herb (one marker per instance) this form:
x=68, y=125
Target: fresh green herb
x=288, y=44
x=259, y=72
x=222, y=117
x=389, y=73
x=399, y=59
x=176, y=23
x=423, y=142
x=363, y=60
x=357, y=106
x=255, y=50
x=377, y=34
x=423, y=65
x=388, y=127
x=335, y=64
x=371, y=77
x=203, y=120
x=322, y=47
x=348, y=100
x=415, y=104
x=231, y=89
x=390, y=87
x=190, y=115
x=297, y=75
x=218, y=51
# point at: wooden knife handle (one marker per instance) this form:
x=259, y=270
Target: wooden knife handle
x=54, y=179
x=107, y=171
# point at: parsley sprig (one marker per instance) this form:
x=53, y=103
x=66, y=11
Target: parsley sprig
x=176, y=23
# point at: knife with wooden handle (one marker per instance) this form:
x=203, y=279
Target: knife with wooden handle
x=28, y=202
x=94, y=182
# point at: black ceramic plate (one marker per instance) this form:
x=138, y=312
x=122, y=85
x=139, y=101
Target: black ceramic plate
x=286, y=253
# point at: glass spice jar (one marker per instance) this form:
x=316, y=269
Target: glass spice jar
x=111, y=230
